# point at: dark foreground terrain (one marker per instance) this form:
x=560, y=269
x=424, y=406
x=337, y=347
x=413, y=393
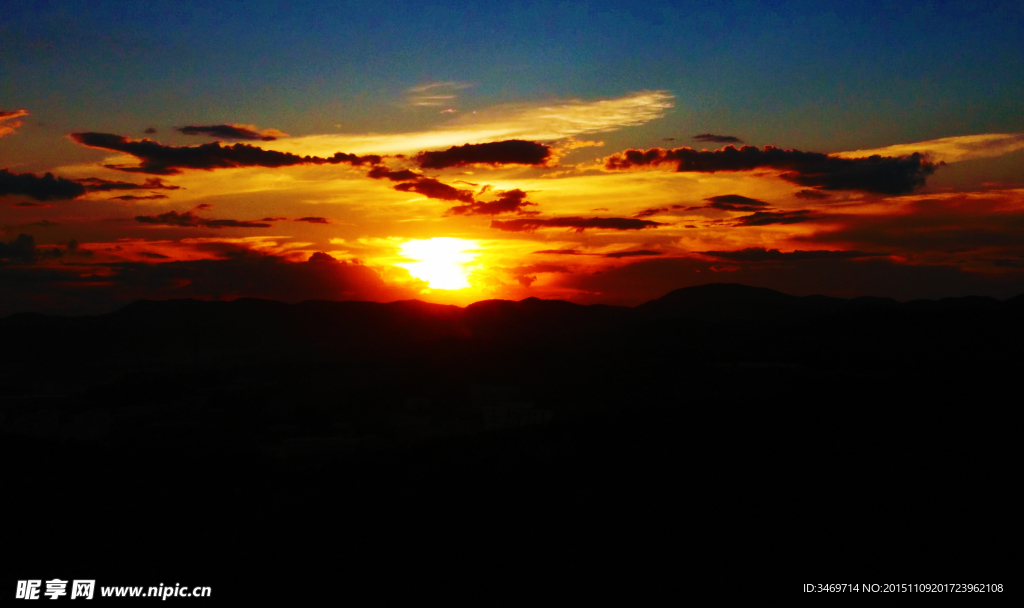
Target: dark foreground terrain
x=720, y=440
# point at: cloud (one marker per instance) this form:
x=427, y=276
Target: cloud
x=95, y=184
x=511, y=201
x=133, y=197
x=718, y=139
x=436, y=94
x=150, y=130
x=45, y=188
x=760, y=254
x=233, y=131
x=314, y=220
x=651, y=211
x=562, y=252
x=159, y=159
x=381, y=172
x=39, y=224
x=566, y=118
x=524, y=275
x=11, y=118
x=236, y=272
x=191, y=220
x=812, y=195
x=531, y=122
x=645, y=279
x=450, y=84
x=632, y=254
x=510, y=152
x=764, y=218
x=950, y=149
x=579, y=224
x=735, y=202
x=882, y=175
x=23, y=249
x=431, y=188
x=936, y=226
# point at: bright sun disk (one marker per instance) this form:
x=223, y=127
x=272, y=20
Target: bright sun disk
x=440, y=261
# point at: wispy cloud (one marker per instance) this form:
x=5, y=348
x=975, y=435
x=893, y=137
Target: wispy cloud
x=537, y=122
x=950, y=149
x=11, y=118
x=436, y=94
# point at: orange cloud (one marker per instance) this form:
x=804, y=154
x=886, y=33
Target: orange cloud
x=10, y=117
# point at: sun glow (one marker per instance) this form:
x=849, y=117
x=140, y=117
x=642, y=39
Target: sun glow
x=440, y=261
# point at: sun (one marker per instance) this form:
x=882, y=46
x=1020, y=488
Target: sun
x=441, y=261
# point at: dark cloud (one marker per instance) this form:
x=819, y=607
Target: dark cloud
x=431, y=188
x=237, y=272
x=633, y=254
x=23, y=249
x=882, y=175
x=645, y=279
x=652, y=211
x=511, y=201
x=154, y=256
x=525, y=274
x=579, y=224
x=39, y=224
x=717, y=139
x=269, y=219
x=314, y=220
x=28, y=204
x=962, y=223
x=247, y=132
x=150, y=130
x=614, y=254
x=735, y=202
x=158, y=159
x=813, y=195
x=510, y=152
x=191, y=220
x=562, y=252
x=134, y=197
x=1009, y=263
x=764, y=218
x=395, y=176
x=535, y=268
x=45, y=188
x=95, y=184
x=759, y=254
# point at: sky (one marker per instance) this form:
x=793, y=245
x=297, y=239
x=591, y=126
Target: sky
x=453, y=152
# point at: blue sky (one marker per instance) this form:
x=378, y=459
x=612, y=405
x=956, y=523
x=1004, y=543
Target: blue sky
x=81, y=83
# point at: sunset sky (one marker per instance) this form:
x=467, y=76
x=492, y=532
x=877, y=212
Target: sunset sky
x=601, y=152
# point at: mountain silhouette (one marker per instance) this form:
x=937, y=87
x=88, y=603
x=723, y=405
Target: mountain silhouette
x=745, y=431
